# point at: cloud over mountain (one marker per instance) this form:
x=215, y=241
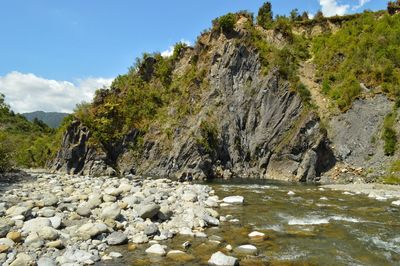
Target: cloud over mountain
x=28, y=92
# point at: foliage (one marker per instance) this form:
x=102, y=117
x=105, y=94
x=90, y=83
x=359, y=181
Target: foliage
x=365, y=50
x=393, y=7
x=24, y=143
x=304, y=93
x=226, y=23
x=393, y=178
x=319, y=15
x=389, y=135
x=208, y=139
x=265, y=16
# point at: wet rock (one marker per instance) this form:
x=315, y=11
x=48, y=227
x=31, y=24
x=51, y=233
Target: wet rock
x=234, y=200
x=211, y=220
x=246, y=249
x=256, y=234
x=180, y=256
x=117, y=238
x=115, y=255
x=220, y=259
x=156, y=249
x=396, y=203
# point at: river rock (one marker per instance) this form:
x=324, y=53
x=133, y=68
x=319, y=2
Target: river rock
x=91, y=229
x=396, y=203
x=45, y=261
x=156, y=249
x=22, y=260
x=117, y=238
x=151, y=230
x=76, y=256
x=115, y=255
x=180, y=256
x=4, y=248
x=14, y=236
x=48, y=233
x=84, y=209
x=18, y=210
x=7, y=242
x=220, y=259
x=246, y=249
x=211, y=220
x=55, y=244
x=34, y=241
x=256, y=234
x=165, y=213
x=49, y=200
x=5, y=226
x=36, y=224
x=234, y=200
x=140, y=238
x=148, y=211
x=111, y=212
x=55, y=221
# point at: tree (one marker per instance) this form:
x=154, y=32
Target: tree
x=304, y=16
x=265, y=16
x=294, y=15
x=319, y=15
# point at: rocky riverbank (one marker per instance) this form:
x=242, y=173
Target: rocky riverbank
x=73, y=220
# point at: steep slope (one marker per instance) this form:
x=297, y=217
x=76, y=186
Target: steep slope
x=249, y=101
x=52, y=119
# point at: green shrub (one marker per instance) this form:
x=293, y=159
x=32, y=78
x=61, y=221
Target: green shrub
x=304, y=93
x=5, y=153
x=389, y=135
x=226, y=23
x=208, y=139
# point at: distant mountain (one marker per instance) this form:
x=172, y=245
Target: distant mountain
x=52, y=119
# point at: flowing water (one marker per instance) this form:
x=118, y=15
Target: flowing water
x=314, y=226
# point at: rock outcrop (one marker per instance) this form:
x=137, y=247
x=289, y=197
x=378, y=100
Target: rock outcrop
x=262, y=129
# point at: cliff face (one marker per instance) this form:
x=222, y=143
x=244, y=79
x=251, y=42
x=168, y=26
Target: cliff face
x=259, y=128
x=240, y=122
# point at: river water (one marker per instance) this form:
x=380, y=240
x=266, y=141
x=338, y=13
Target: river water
x=315, y=226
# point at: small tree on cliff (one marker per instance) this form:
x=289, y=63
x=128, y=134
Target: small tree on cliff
x=319, y=15
x=393, y=7
x=264, y=17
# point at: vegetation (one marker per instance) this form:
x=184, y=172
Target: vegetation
x=24, y=143
x=226, y=23
x=389, y=134
x=365, y=50
x=208, y=139
x=393, y=178
x=393, y=7
x=265, y=16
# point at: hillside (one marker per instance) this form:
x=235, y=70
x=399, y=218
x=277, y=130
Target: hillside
x=23, y=143
x=52, y=119
x=285, y=98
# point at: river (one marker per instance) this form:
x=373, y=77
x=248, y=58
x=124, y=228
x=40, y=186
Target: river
x=313, y=226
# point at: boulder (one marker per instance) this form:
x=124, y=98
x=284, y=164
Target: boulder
x=234, y=200
x=246, y=250
x=116, y=238
x=111, y=212
x=156, y=249
x=220, y=259
x=148, y=211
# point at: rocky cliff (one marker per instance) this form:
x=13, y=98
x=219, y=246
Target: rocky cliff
x=244, y=123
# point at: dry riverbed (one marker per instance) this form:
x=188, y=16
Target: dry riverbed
x=73, y=220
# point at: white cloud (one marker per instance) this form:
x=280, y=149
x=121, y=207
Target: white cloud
x=361, y=3
x=170, y=51
x=332, y=8
x=28, y=92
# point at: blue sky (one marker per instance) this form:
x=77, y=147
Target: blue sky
x=73, y=41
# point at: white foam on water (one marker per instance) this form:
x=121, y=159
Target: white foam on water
x=392, y=245
x=321, y=220
x=275, y=227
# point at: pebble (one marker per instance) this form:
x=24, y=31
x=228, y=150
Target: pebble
x=246, y=249
x=233, y=200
